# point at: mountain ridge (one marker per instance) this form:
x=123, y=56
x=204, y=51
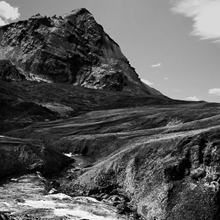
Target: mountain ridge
x=72, y=48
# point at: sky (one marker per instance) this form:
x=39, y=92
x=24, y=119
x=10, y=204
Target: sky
x=174, y=45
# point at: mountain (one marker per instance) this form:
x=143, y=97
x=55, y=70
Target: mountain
x=81, y=137
x=70, y=49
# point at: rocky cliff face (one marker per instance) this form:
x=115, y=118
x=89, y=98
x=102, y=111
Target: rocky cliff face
x=69, y=49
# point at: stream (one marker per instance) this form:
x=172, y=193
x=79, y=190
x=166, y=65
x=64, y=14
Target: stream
x=81, y=161
x=73, y=170
x=26, y=197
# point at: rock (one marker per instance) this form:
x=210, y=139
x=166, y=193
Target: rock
x=19, y=155
x=55, y=184
x=115, y=200
x=9, y=72
x=5, y=216
x=198, y=173
x=105, y=196
x=20, y=200
x=53, y=191
x=70, y=49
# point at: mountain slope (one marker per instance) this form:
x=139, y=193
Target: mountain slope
x=23, y=103
x=162, y=159
x=66, y=88
x=69, y=49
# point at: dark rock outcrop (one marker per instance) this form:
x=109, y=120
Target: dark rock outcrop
x=69, y=49
x=9, y=72
x=18, y=155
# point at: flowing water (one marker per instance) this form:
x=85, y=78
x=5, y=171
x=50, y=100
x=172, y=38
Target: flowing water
x=81, y=161
x=26, y=197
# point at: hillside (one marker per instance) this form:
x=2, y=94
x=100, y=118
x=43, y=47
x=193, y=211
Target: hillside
x=81, y=137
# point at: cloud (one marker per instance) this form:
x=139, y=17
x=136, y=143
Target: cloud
x=156, y=65
x=192, y=98
x=166, y=78
x=214, y=91
x=147, y=82
x=7, y=13
x=2, y=22
x=205, y=15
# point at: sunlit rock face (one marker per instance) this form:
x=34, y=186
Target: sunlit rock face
x=72, y=48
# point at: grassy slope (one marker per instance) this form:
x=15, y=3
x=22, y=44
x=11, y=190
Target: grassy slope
x=161, y=154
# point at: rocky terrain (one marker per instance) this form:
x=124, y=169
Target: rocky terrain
x=70, y=49
x=83, y=138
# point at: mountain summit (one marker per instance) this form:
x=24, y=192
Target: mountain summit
x=73, y=49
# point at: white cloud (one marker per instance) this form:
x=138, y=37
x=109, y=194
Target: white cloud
x=2, y=22
x=205, y=15
x=156, y=65
x=147, y=82
x=192, y=98
x=166, y=78
x=214, y=91
x=7, y=13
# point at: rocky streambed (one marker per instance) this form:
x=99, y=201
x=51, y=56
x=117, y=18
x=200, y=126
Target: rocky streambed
x=31, y=196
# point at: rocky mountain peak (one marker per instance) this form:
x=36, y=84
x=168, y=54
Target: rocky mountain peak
x=73, y=49
x=80, y=11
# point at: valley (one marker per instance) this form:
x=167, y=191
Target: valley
x=81, y=137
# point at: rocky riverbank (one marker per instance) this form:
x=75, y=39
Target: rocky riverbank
x=26, y=197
